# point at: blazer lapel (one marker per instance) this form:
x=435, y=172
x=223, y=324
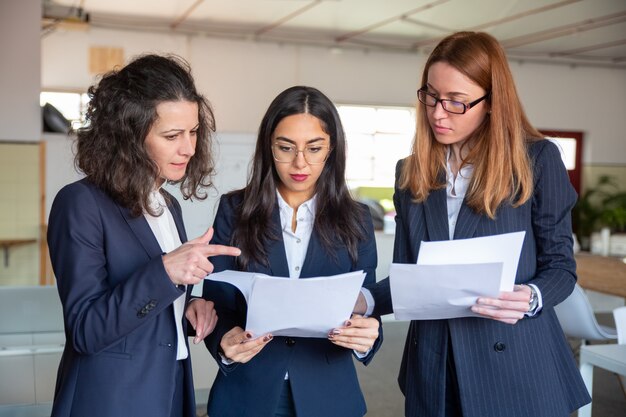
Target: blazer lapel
x=466, y=223
x=314, y=253
x=141, y=229
x=436, y=213
x=276, y=248
x=178, y=220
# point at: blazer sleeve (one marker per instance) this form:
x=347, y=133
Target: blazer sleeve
x=229, y=302
x=381, y=292
x=552, y=203
x=367, y=261
x=98, y=314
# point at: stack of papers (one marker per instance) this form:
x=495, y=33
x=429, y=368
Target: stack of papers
x=306, y=307
x=450, y=275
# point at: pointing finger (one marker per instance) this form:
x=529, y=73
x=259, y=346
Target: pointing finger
x=214, y=250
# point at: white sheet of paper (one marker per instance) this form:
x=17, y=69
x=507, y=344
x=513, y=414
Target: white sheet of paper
x=308, y=307
x=505, y=248
x=432, y=292
x=242, y=280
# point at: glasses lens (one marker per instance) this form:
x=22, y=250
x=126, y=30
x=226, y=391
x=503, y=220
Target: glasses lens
x=315, y=154
x=453, y=106
x=426, y=98
x=284, y=153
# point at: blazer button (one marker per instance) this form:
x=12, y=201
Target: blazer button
x=142, y=313
x=499, y=347
x=290, y=341
x=152, y=303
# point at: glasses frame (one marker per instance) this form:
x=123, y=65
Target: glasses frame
x=328, y=147
x=443, y=101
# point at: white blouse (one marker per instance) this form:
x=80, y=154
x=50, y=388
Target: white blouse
x=166, y=233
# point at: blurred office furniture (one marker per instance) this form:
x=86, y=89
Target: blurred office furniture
x=31, y=343
x=619, y=314
x=611, y=357
x=578, y=319
x=605, y=274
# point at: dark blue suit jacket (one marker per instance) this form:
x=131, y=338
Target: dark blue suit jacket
x=322, y=375
x=120, y=352
x=526, y=369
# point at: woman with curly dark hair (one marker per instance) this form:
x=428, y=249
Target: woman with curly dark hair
x=118, y=246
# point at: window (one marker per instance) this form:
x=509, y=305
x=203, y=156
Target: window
x=377, y=137
x=570, y=145
x=72, y=105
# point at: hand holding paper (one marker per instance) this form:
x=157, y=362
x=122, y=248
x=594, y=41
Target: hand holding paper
x=308, y=307
x=240, y=346
x=451, y=275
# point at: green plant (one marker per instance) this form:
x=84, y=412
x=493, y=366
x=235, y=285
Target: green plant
x=602, y=205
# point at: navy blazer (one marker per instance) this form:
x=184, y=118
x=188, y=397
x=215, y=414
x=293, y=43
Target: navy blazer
x=120, y=351
x=322, y=375
x=526, y=369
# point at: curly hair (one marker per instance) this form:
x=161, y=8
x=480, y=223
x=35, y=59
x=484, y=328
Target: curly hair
x=110, y=150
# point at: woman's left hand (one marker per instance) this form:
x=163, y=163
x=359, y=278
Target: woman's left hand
x=359, y=333
x=202, y=317
x=509, y=308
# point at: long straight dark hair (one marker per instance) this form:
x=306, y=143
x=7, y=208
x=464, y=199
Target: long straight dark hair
x=338, y=216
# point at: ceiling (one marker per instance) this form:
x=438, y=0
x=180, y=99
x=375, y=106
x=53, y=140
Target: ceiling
x=573, y=32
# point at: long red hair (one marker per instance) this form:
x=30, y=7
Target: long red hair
x=497, y=148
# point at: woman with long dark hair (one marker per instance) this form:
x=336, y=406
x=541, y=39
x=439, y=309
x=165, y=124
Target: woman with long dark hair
x=119, y=251
x=294, y=219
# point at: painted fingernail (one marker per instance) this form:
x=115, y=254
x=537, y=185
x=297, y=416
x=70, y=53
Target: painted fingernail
x=267, y=338
x=348, y=323
x=248, y=336
x=335, y=331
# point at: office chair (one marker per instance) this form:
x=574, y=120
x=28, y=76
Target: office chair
x=578, y=320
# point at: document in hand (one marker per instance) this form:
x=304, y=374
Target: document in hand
x=307, y=307
x=450, y=275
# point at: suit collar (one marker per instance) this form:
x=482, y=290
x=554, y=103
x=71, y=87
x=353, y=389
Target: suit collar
x=276, y=254
x=177, y=215
x=436, y=213
x=141, y=229
x=466, y=222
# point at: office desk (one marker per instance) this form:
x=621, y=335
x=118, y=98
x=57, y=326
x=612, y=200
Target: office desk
x=610, y=357
x=605, y=274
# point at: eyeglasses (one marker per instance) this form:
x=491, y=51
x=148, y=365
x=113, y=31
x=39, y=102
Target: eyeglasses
x=313, y=154
x=451, y=106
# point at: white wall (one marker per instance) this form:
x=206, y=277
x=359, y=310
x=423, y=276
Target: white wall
x=20, y=115
x=240, y=78
x=592, y=100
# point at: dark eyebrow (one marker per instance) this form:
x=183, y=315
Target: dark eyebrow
x=293, y=142
x=165, y=132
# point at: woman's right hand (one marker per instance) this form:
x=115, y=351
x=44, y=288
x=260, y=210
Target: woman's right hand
x=238, y=345
x=188, y=264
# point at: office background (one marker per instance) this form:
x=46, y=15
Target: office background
x=240, y=77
